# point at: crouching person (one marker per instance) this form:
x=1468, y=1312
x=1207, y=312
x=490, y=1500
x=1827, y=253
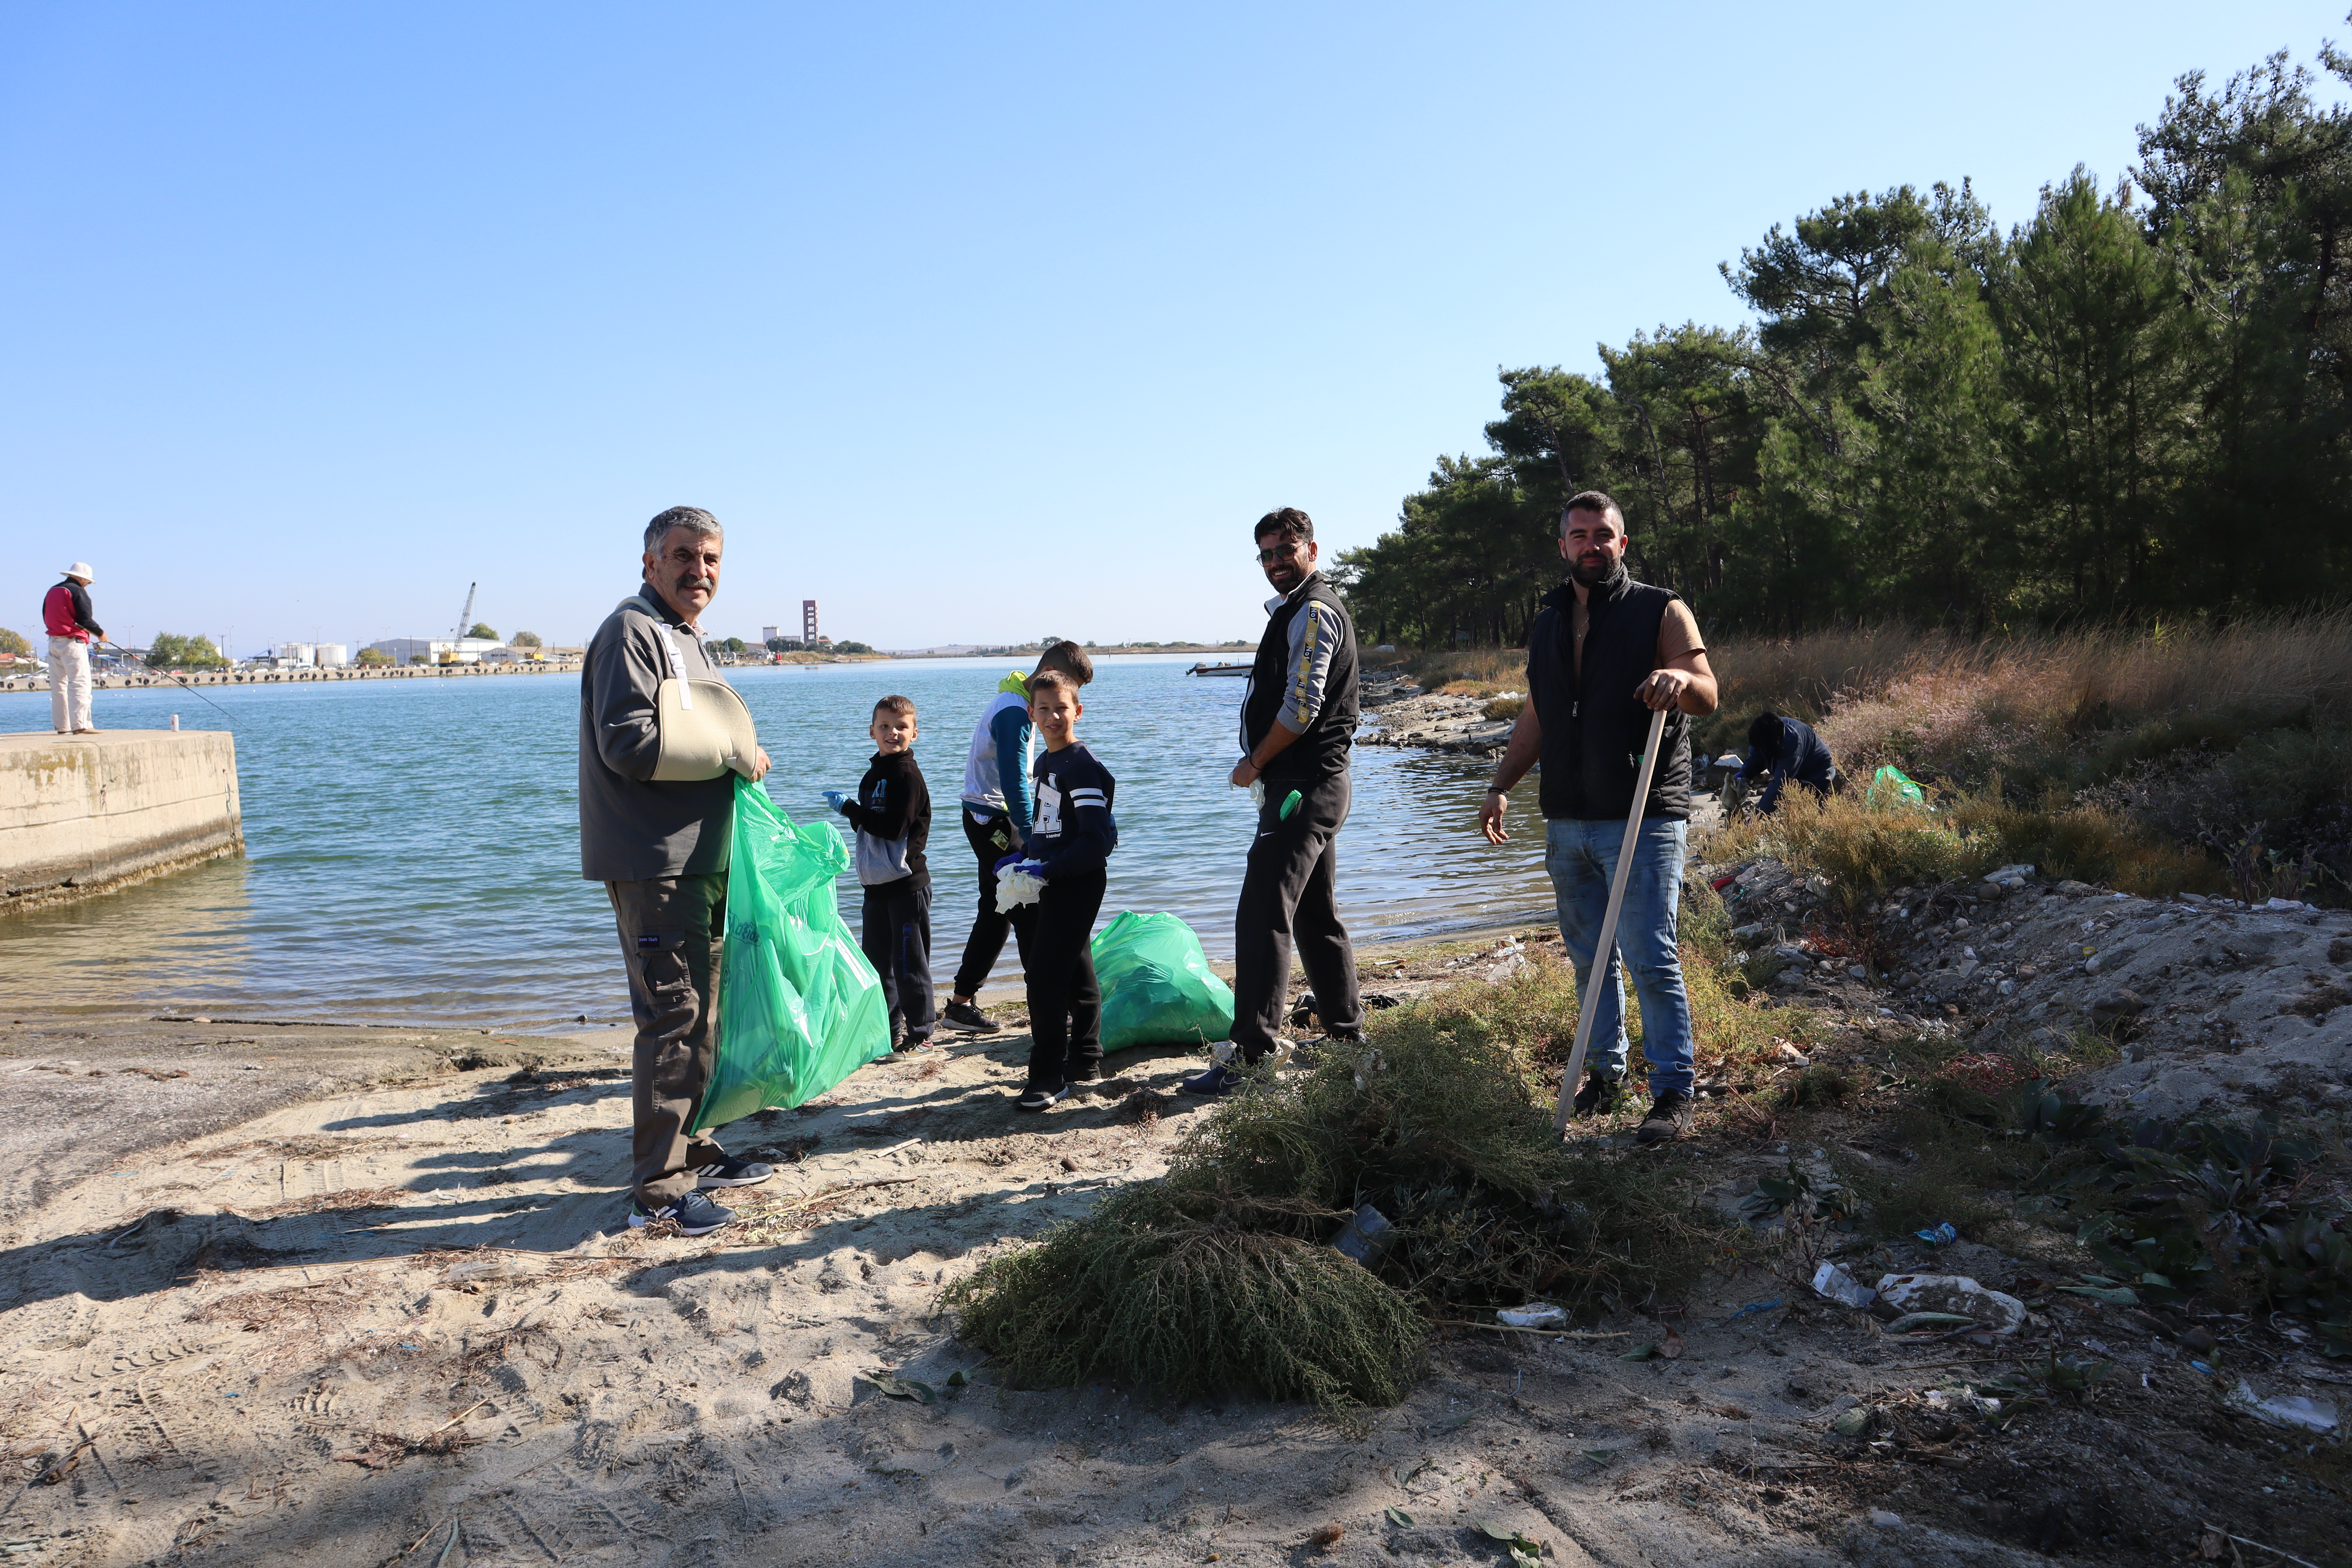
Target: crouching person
x=660, y=847
x=1780, y=749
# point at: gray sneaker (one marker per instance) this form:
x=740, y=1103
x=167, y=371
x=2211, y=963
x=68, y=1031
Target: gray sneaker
x=694, y=1215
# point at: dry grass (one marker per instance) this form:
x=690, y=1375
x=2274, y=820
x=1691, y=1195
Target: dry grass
x=2073, y=705
x=1867, y=851
x=1469, y=672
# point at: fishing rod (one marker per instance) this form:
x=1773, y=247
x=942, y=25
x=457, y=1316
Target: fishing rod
x=173, y=674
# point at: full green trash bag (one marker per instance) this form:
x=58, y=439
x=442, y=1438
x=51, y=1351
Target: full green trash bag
x=1156, y=987
x=799, y=1007
x=1890, y=785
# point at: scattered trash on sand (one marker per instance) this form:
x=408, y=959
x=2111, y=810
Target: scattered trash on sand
x=1839, y=1285
x=2286, y=1410
x=1956, y=1295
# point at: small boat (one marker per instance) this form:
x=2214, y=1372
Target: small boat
x=1218, y=670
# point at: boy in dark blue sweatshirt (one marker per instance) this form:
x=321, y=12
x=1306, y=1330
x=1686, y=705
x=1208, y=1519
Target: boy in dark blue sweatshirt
x=892, y=814
x=1067, y=849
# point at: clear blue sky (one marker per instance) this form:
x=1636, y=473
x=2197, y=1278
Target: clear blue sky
x=973, y=323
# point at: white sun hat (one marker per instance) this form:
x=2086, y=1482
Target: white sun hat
x=81, y=569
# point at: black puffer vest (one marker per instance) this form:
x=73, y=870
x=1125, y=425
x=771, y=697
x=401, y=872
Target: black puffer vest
x=1322, y=750
x=1593, y=729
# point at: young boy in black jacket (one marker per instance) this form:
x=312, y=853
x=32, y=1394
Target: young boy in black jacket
x=1068, y=850
x=892, y=814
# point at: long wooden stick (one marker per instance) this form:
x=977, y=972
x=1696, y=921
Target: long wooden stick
x=1606, y=948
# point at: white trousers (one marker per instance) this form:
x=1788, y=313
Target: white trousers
x=69, y=685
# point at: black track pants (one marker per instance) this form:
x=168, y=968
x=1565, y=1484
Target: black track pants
x=1064, y=1000
x=992, y=842
x=1290, y=900
x=897, y=943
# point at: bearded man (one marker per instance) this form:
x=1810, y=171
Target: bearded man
x=1603, y=654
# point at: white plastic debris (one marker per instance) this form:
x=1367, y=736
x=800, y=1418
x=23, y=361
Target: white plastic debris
x=2286, y=1410
x=1955, y=1293
x=1534, y=1315
x=1509, y=969
x=1016, y=887
x=1835, y=1283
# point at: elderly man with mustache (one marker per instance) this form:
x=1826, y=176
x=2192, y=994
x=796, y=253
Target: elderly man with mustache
x=660, y=847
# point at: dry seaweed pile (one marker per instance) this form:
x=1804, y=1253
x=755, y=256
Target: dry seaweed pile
x=1222, y=1273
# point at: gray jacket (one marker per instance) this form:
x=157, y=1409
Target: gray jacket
x=632, y=828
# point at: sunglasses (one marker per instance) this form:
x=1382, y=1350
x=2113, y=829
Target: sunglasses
x=1290, y=547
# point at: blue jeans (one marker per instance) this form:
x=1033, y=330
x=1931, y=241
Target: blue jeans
x=1581, y=857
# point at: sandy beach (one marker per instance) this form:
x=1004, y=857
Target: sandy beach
x=307, y=1294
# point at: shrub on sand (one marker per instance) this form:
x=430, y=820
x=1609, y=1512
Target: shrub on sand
x=1142, y=1290
x=1865, y=851
x=1218, y=1275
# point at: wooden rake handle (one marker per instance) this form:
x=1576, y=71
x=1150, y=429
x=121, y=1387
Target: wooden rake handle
x=1589, y=1004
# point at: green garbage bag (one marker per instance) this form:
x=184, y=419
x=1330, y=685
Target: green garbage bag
x=1156, y=987
x=1890, y=785
x=799, y=1007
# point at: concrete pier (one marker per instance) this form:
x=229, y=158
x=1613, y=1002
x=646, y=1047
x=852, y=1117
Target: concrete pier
x=81, y=814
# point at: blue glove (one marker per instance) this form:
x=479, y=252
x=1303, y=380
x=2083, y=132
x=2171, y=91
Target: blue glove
x=1012, y=859
x=837, y=800
x=1031, y=869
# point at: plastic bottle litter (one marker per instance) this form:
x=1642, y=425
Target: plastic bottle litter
x=2286, y=1410
x=1939, y=1236
x=1534, y=1315
x=1835, y=1283
x=1366, y=1235
x=1956, y=1294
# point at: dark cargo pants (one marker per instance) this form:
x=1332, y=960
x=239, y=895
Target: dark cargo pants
x=672, y=932
x=897, y=939
x=990, y=841
x=1290, y=898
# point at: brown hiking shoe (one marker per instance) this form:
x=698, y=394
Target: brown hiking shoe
x=1671, y=1115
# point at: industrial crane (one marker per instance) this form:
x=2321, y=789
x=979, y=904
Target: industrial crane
x=465, y=616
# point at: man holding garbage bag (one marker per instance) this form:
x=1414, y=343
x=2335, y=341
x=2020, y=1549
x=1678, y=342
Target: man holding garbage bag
x=1603, y=653
x=658, y=841
x=1299, y=724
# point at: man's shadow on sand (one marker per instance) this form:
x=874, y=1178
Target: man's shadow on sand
x=169, y=1247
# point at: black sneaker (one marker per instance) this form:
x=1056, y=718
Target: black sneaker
x=911, y=1042
x=727, y=1171
x=1036, y=1099
x=1090, y=1073
x=1600, y=1093
x=1671, y=1115
x=966, y=1018
x=694, y=1215
x=1219, y=1079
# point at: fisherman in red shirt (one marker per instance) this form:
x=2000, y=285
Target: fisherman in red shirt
x=67, y=613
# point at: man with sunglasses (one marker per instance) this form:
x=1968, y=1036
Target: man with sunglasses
x=1299, y=724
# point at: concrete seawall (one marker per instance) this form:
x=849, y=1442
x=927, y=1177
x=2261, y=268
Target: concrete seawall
x=83, y=814
x=141, y=678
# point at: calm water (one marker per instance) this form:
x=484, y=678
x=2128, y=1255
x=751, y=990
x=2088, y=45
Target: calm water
x=413, y=847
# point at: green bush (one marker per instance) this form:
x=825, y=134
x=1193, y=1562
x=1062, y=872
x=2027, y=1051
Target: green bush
x=1219, y=1275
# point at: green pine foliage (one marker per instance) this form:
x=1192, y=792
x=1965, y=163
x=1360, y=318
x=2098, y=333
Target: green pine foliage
x=2136, y=402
